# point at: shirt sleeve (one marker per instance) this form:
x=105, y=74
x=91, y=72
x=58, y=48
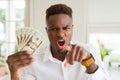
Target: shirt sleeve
x=27, y=74
x=101, y=73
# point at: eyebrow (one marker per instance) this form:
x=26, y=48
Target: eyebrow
x=62, y=26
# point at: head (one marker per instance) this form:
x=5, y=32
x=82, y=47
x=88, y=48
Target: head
x=59, y=26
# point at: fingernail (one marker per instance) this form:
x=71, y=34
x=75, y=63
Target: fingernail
x=66, y=64
x=27, y=51
x=68, y=48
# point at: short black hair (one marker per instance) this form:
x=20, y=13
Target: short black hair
x=58, y=9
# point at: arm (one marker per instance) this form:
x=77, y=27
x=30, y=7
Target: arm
x=101, y=73
x=77, y=53
x=95, y=71
x=90, y=64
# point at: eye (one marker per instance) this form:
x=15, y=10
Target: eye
x=53, y=29
x=67, y=28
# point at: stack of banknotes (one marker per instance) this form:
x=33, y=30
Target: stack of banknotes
x=29, y=39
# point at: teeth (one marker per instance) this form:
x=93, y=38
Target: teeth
x=61, y=43
x=61, y=40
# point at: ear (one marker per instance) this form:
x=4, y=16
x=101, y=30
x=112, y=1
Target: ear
x=46, y=29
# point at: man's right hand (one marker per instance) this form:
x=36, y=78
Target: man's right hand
x=19, y=60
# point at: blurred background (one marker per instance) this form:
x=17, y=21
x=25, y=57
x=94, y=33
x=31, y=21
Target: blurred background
x=95, y=21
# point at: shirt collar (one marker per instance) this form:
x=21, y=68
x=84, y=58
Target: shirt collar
x=48, y=55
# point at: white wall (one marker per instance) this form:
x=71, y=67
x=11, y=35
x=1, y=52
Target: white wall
x=103, y=16
x=103, y=11
x=89, y=16
x=37, y=18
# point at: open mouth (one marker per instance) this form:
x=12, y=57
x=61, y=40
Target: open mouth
x=61, y=43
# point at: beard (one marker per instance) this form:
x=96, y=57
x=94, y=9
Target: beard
x=62, y=51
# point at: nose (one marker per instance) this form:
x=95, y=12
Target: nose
x=60, y=33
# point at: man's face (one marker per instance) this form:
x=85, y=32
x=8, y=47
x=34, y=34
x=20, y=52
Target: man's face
x=59, y=30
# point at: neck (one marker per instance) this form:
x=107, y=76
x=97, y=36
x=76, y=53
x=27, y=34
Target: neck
x=58, y=55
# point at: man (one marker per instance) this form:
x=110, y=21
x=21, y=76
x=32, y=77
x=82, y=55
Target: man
x=61, y=60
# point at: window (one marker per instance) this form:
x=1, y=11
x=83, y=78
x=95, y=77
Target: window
x=108, y=34
x=110, y=40
x=107, y=39
x=11, y=18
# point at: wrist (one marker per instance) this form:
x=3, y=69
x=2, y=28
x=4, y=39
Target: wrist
x=92, y=68
x=90, y=65
x=87, y=62
x=14, y=75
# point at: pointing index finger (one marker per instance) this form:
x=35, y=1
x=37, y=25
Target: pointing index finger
x=68, y=48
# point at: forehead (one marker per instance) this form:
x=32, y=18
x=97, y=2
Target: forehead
x=59, y=19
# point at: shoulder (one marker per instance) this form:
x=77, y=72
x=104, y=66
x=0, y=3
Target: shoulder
x=42, y=51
